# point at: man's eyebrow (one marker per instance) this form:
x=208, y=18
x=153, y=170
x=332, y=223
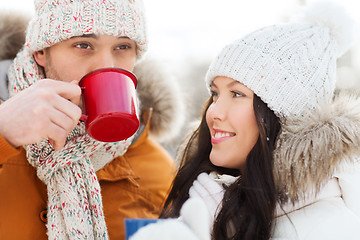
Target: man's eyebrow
x=87, y=36
x=95, y=36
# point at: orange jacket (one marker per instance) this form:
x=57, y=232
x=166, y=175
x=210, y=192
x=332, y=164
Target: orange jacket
x=133, y=186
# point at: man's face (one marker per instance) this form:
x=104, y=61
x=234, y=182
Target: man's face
x=71, y=59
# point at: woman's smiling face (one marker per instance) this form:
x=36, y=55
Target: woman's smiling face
x=232, y=123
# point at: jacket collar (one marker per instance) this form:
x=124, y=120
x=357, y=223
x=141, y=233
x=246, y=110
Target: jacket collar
x=330, y=190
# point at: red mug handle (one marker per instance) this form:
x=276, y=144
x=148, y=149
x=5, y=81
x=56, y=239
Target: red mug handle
x=83, y=117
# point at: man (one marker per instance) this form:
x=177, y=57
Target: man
x=55, y=181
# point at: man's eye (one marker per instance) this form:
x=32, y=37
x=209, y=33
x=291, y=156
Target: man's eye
x=82, y=45
x=124, y=46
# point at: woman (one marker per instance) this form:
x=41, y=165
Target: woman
x=273, y=138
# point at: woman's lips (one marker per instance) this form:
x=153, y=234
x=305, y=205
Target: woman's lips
x=220, y=136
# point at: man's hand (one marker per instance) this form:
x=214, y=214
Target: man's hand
x=47, y=109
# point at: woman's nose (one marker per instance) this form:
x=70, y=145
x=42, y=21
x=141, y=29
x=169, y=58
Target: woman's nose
x=218, y=110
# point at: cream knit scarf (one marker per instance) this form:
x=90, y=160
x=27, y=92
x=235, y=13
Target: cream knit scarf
x=74, y=201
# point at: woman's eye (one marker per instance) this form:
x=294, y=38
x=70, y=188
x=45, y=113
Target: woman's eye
x=214, y=95
x=237, y=94
x=82, y=45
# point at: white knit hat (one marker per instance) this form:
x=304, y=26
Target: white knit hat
x=58, y=20
x=291, y=67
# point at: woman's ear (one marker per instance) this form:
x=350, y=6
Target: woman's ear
x=40, y=57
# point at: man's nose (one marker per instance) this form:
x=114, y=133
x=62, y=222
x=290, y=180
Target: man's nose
x=104, y=59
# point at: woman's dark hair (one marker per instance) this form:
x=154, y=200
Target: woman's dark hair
x=249, y=203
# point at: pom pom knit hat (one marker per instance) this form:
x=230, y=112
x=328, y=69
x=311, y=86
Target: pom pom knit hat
x=291, y=67
x=58, y=20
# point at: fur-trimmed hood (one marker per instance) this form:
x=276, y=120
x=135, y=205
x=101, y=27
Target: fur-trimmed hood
x=12, y=32
x=157, y=88
x=311, y=149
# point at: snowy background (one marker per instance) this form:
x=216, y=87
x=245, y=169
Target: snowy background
x=199, y=28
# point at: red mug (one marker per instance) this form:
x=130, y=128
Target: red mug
x=110, y=104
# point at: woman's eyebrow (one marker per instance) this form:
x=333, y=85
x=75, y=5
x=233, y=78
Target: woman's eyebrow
x=233, y=83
